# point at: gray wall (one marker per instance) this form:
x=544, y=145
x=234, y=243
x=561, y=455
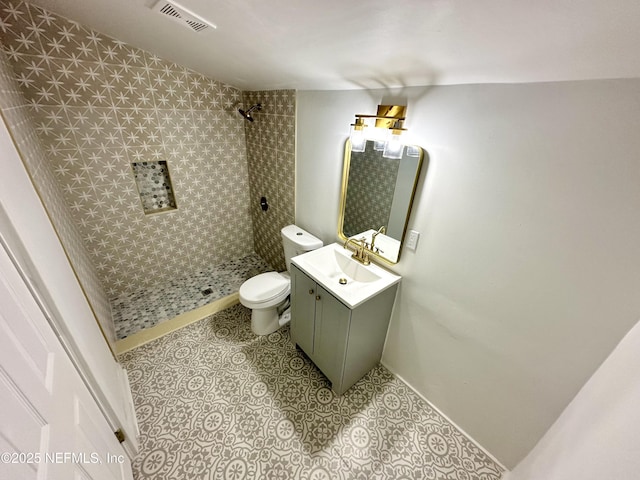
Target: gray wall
x=597, y=436
x=527, y=272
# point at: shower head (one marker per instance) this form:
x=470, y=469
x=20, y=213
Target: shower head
x=247, y=114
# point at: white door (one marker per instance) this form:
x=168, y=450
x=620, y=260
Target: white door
x=50, y=425
x=30, y=238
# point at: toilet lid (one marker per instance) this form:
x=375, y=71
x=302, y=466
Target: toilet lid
x=264, y=287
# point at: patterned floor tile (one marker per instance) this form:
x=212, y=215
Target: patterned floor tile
x=214, y=401
x=148, y=307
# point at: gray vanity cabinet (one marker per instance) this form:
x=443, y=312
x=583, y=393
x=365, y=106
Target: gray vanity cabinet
x=344, y=343
x=303, y=306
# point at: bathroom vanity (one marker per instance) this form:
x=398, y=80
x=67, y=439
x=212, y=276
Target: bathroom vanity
x=340, y=312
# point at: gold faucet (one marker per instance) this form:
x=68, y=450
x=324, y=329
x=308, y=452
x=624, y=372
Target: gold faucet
x=381, y=230
x=360, y=253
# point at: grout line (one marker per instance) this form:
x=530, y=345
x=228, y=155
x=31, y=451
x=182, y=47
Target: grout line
x=147, y=335
x=461, y=430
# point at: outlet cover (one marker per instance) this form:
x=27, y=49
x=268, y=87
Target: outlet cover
x=412, y=240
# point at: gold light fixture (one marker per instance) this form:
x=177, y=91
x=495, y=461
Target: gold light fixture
x=387, y=133
x=358, y=138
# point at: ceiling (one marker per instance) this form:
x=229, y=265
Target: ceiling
x=348, y=44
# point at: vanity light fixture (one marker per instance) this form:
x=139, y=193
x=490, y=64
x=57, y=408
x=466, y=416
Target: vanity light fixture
x=386, y=134
x=414, y=151
x=393, y=148
x=357, y=137
x=378, y=145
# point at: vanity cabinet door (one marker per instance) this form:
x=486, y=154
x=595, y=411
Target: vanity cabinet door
x=343, y=343
x=331, y=334
x=303, y=309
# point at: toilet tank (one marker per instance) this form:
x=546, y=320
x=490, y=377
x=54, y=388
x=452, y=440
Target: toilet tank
x=297, y=241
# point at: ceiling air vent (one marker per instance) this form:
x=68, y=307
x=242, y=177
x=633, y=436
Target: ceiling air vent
x=183, y=15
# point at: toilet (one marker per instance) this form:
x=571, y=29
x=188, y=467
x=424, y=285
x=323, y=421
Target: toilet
x=267, y=294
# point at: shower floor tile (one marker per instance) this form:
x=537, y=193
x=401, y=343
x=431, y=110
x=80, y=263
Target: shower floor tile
x=148, y=307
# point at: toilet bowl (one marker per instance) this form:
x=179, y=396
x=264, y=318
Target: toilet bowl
x=267, y=294
x=263, y=294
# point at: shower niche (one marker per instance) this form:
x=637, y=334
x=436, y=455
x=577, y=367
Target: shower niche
x=154, y=186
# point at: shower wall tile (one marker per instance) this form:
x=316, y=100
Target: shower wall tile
x=100, y=105
x=270, y=143
x=19, y=121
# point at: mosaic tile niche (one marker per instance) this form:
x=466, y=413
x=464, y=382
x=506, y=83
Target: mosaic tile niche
x=271, y=157
x=19, y=121
x=154, y=186
x=100, y=105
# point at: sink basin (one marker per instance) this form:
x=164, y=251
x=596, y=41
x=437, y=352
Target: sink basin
x=347, y=279
x=336, y=263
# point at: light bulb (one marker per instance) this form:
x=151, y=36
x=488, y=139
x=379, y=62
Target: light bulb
x=357, y=137
x=393, y=148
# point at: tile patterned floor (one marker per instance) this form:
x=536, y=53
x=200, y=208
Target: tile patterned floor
x=214, y=401
x=148, y=307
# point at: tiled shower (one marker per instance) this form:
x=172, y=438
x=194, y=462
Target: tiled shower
x=93, y=115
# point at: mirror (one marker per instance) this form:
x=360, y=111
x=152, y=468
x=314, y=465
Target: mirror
x=378, y=192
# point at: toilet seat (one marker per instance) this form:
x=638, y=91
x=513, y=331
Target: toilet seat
x=265, y=290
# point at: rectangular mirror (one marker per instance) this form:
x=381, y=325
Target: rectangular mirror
x=377, y=194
